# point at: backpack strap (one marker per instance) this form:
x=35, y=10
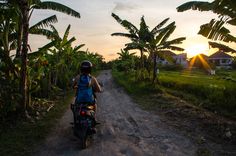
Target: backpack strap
x=80, y=79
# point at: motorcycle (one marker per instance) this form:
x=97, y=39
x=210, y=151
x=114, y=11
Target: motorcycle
x=84, y=122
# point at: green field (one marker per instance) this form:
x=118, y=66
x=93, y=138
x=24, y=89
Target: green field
x=213, y=92
x=217, y=93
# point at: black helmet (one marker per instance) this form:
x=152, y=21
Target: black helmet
x=86, y=67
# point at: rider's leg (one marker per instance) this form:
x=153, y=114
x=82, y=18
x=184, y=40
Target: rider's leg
x=73, y=100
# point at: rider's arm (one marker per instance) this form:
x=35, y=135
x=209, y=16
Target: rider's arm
x=96, y=86
x=75, y=85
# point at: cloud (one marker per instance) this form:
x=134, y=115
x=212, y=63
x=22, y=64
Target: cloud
x=124, y=7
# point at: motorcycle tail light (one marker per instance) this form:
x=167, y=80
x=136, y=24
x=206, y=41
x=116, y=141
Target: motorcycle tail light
x=82, y=113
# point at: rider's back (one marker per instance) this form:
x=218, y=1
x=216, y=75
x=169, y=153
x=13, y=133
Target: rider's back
x=84, y=89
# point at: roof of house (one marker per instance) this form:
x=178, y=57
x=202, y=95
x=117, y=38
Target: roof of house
x=205, y=57
x=219, y=54
x=182, y=55
x=167, y=53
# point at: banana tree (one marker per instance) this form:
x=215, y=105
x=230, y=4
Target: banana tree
x=7, y=35
x=136, y=35
x=126, y=60
x=61, y=57
x=160, y=43
x=215, y=29
x=139, y=37
x=27, y=8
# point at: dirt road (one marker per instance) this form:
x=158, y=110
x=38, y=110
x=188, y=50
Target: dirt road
x=125, y=130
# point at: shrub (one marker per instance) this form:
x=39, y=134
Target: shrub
x=173, y=67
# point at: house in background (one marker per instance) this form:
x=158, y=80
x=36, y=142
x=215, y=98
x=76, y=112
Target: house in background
x=221, y=60
x=170, y=58
x=181, y=59
x=198, y=61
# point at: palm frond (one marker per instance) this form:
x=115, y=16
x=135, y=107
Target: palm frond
x=144, y=34
x=78, y=47
x=131, y=36
x=69, y=42
x=165, y=33
x=224, y=7
x=175, y=48
x=57, y=7
x=175, y=41
x=221, y=47
x=66, y=33
x=195, y=5
x=216, y=31
x=36, y=54
x=47, y=46
x=143, y=24
x=131, y=46
x=157, y=28
x=48, y=33
x=54, y=30
x=135, y=45
x=221, y=7
x=45, y=23
x=126, y=24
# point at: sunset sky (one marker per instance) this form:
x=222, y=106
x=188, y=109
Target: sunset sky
x=96, y=24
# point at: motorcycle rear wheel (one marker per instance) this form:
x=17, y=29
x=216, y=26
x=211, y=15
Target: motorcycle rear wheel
x=83, y=137
x=84, y=142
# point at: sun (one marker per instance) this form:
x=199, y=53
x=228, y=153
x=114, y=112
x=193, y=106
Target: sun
x=194, y=50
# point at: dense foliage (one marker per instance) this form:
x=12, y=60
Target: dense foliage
x=41, y=74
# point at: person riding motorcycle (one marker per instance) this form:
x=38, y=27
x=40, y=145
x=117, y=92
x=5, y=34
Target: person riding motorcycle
x=85, y=71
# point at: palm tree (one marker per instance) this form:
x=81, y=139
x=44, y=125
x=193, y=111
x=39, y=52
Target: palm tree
x=125, y=55
x=154, y=41
x=61, y=59
x=137, y=36
x=226, y=9
x=158, y=45
x=25, y=8
x=126, y=60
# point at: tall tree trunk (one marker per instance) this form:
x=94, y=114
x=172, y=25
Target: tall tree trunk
x=23, y=4
x=19, y=38
x=154, y=67
x=141, y=57
x=49, y=84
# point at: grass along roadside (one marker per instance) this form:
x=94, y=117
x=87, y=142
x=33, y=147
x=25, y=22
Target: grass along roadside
x=197, y=91
x=216, y=93
x=21, y=139
x=149, y=96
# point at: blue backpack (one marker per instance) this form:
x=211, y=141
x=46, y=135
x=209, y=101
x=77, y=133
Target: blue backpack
x=85, y=90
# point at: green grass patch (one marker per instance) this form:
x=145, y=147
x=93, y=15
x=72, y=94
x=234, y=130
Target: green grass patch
x=211, y=92
x=215, y=92
x=132, y=86
x=147, y=95
x=21, y=139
